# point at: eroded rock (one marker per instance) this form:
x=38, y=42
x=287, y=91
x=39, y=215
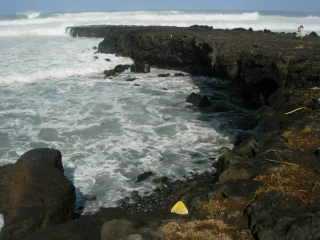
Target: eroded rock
x=116, y=71
x=35, y=193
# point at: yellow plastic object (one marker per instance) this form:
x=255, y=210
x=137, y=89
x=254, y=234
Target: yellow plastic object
x=180, y=208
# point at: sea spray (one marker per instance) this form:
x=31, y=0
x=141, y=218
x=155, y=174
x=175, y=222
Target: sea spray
x=36, y=24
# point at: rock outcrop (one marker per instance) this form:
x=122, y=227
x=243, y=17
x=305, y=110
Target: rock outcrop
x=34, y=194
x=258, y=62
x=116, y=71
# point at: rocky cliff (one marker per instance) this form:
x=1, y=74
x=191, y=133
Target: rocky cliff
x=258, y=62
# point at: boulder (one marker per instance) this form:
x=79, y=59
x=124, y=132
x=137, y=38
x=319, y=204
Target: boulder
x=116, y=71
x=163, y=75
x=36, y=194
x=239, y=189
x=117, y=230
x=144, y=176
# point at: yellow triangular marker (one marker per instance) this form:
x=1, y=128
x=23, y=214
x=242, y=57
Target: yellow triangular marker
x=180, y=208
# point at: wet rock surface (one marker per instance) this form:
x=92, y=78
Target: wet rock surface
x=144, y=176
x=35, y=194
x=116, y=71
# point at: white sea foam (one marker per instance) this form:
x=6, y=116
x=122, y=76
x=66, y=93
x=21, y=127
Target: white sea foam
x=1, y=222
x=49, y=58
x=54, y=25
x=110, y=131
x=30, y=14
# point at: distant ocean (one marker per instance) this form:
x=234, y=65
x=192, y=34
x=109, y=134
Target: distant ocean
x=36, y=23
x=53, y=94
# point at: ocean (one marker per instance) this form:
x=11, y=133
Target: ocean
x=53, y=94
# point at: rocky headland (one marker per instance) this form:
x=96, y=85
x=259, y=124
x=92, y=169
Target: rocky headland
x=266, y=187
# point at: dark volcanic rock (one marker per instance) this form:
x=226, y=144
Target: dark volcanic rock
x=168, y=50
x=144, y=176
x=164, y=75
x=239, y=189
x=140, y=68
x=313, y=35
x=116, y=71
x=261, y=76
x=277, y=216
x=201, y=27
x=248, y=146
x=86, y=228
x=317, y=153
x=117, y=229
x=198, y=100
x=179, y=75
x=35, y=193
x=122, y=229
x=315, y=103
x=235, y=173
x=261, y=62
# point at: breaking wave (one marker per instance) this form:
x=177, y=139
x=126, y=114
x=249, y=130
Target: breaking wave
x=29, y=15
x=35, y=24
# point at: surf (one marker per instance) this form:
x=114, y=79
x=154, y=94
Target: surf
x=36, y=24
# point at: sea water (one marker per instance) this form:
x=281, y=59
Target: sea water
x=53, y=94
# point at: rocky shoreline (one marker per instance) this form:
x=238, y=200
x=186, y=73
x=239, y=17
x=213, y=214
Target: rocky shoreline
x=266, y=187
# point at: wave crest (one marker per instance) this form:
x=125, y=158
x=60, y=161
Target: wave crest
x=30, y=14
x=35, y=23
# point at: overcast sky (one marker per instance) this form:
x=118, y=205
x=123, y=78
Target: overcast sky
x=13, y=6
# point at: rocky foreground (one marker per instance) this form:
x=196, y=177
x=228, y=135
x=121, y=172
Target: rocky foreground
x=267, y=187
